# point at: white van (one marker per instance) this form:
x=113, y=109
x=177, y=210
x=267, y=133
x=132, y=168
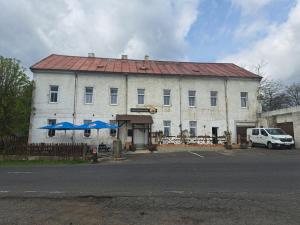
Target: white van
x=269, y=137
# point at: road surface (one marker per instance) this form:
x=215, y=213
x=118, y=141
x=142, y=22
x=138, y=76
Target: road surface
x=228, y=187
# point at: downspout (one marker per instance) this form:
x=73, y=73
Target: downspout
x=75, y=103
x=180, y=107
x=126, y=94
x=226, y=104
x=228, y=133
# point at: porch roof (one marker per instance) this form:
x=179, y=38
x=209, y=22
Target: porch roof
x=135, y=118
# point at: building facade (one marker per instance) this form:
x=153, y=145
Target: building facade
x=142, y=97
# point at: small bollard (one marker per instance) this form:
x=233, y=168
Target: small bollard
x=117, y=147
x=94, y=154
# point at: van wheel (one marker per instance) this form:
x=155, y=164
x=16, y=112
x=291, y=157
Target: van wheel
x=270, y=145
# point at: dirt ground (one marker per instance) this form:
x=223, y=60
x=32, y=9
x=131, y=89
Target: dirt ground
x=216, y=208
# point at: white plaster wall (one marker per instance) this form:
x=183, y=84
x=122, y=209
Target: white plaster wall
x=237, y=115
x=205, y=115
x=154, y=86
x=100, y=109
x=42, y=110
x=296, y=124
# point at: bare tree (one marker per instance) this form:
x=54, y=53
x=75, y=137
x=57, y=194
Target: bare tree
x=259, y=68
x=273, y=96
x=293, y=93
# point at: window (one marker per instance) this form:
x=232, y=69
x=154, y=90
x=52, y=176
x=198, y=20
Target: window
x=87, y=132
x=213, y=98
x=167, y=128
x=244, y=99
x=114, y=96
x=113, y=132
x=167, y=97
x=193, y=128
x=51, y=133
x=129, y=132
x=88, y=95
x=263, y=132
x=53, y=93
x=255, y=132
x=192, y=98
x=141, y=96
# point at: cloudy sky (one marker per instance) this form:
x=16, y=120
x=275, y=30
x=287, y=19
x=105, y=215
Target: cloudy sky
x=246, y=32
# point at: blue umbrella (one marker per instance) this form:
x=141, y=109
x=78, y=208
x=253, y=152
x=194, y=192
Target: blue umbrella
x=60, y=126
x=96, y=125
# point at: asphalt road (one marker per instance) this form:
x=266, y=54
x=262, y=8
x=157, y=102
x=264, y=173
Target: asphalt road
x=229, y=187
x=157, y=174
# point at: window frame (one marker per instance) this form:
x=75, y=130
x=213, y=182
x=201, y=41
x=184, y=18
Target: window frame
x=138, y=95
x=167, y=127
x=113, y=131
x=254, y=132
x=51, y=133
x=167, y=95
x=87, y=131
x=192, y=97
x=245, y=98
x=111, y=95
x=85, y=95
x=213, y=97
x=193, y=127
x=53, y=92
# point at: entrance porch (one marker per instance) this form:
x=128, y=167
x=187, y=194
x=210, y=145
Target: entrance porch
x=134, y=130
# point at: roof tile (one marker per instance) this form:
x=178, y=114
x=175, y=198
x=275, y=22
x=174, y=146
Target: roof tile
x=107, y=65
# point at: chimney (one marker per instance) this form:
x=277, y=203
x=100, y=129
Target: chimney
x=91, y=54
x=124, y=57
x=146, y=57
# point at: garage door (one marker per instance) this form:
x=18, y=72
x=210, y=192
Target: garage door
x=241, y=134
x=287, y=127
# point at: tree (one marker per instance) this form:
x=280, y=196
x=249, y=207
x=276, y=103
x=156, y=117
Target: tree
x=273, y=95
x=293, y=93
x=15, y=98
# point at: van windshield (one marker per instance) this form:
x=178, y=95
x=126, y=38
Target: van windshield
x=275, y=131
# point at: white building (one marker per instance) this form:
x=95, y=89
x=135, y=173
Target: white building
x=143, y=96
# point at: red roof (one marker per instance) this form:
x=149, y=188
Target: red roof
x=153, y=67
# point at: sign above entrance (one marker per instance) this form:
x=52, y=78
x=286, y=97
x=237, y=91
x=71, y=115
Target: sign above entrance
x=149, y=110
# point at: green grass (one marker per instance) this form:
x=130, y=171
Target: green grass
x=11, y=163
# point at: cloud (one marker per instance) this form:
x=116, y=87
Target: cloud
x=33, y=29
x=251, y=6
x=280, y=49
x=252, y=30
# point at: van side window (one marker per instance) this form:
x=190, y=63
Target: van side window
x=263, y=132
x=255, y=132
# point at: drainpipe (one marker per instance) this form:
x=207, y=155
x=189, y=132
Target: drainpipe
x=227, y=122
x=180, y=107
x=126, y=94
x=75, y=103
x=226, y=104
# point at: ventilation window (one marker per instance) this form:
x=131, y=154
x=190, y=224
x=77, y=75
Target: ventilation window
x=143, y=68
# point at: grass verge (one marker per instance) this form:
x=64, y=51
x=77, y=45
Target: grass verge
x=11, y=163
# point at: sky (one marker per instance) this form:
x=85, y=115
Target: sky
x=249, y=33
